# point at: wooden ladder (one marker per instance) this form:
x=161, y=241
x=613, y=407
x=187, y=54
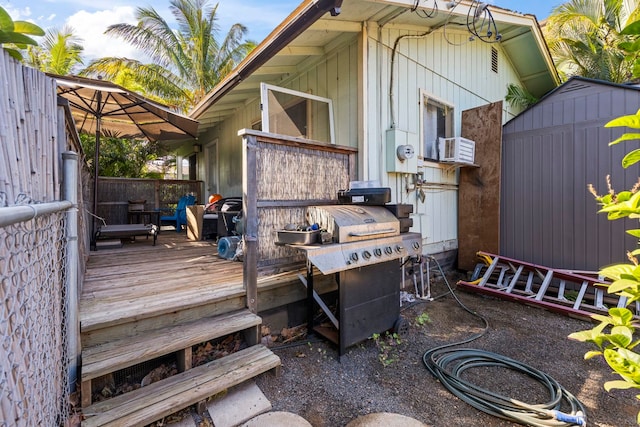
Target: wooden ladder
x=577, y=294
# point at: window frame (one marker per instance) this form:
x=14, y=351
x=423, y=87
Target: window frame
x=426, y=98
x=264, y=101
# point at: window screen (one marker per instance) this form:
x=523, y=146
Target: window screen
x=297, y=114
x=437, y=122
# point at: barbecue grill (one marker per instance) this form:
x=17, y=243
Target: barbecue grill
x=365, y=255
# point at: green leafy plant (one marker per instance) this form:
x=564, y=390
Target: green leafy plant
x=387, y=345
x=614, y=335
x=14, y=35
x=423, y=319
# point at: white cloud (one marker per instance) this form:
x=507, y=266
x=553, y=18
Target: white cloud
x=17, y=14
x=90, y=27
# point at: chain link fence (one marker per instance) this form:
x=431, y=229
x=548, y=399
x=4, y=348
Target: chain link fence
x=34, y=389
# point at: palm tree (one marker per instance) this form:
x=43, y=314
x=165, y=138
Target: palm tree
x=584, y=36
x=184, y=64
x=59, y=53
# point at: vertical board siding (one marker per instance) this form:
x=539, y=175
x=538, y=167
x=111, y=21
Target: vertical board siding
x=452, y=69
x=455, y=71
x=550, y=154
x=334, y=76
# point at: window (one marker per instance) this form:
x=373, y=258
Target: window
x=297, y=114
x=437, y=122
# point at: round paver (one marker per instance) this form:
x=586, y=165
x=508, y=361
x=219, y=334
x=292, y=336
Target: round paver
x=277, y=419
x=385, y=419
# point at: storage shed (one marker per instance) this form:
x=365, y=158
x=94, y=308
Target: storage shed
x=550, y=153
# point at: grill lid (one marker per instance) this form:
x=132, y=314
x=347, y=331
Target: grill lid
x=350, y=223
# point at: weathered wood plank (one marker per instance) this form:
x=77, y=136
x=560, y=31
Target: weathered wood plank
x=116, y=355
x=107, y=313
x=165, y=397
x=131, y=328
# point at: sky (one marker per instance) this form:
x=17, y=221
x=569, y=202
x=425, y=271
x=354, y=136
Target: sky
x=90, y=18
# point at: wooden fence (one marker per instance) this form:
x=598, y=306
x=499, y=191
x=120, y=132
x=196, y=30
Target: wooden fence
x=35, y=256
x=281, y=177
x=114, y=195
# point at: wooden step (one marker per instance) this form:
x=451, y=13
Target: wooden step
x=119, y=354
x=157, y=400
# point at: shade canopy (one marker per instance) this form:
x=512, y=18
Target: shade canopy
x=105, y=106
x=100, y=107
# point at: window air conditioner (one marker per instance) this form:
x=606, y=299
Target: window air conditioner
x=457, y=149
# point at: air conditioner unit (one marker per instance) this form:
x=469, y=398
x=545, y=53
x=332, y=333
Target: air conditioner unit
x=457, y=149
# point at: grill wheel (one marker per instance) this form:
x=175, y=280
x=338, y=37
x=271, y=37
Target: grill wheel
x=401, y=327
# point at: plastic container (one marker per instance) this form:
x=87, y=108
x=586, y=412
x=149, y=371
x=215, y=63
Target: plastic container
x=227, y=246
x=365, y=196
x=286, y=237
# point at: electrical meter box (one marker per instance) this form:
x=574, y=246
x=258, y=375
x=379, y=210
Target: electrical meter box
x=402, y=156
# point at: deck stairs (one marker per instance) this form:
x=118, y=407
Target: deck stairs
x=577, y=294
x=126, y=327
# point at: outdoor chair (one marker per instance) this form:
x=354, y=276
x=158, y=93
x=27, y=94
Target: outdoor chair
x=180, y=214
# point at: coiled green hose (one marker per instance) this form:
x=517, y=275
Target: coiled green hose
x=447, y=364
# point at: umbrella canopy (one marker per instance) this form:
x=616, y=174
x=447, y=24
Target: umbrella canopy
x=100, y=106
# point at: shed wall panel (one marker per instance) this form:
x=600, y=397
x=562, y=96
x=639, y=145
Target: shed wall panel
x=548, y=216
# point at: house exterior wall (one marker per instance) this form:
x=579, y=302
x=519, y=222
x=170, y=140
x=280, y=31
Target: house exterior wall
x=450, y=69
x=333, y=76
x=356, y=76
x=551, y=153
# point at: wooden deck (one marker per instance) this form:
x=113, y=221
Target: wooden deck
x=141, y=281
x=141, y=302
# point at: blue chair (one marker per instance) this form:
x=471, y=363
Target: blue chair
x=180, y=215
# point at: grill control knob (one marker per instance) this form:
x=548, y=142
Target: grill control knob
x=366, y=254
x=354, y=257
x=416, y=245
x=388, y=250
x=377, y=252
x=398, y=248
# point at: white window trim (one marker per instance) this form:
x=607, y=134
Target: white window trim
x=424, y=94
x=265, y=88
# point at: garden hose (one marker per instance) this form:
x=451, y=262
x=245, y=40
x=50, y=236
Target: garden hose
x=447, y=364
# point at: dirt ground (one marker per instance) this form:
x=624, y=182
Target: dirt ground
x=328, y=392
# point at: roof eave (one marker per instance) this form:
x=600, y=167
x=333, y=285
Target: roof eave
x=298, y=21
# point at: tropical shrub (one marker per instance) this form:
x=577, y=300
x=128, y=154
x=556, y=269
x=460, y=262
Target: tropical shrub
x=614, y=336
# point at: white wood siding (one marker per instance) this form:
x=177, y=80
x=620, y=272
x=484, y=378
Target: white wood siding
x=453, y=70
x=356, y=76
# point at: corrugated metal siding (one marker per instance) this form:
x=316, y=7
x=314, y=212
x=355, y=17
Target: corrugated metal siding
x=550, y=154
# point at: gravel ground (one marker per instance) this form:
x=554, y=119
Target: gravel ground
x=326, y=392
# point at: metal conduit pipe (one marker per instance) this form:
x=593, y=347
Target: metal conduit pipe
x=15, y=214
x=70, y=193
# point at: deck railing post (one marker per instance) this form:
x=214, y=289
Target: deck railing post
x=250, y=208
x=70, y=193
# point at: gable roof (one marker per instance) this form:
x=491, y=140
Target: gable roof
x=310, y=31
x=575, y=84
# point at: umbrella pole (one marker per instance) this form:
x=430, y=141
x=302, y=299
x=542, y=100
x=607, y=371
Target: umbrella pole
x=96, y=167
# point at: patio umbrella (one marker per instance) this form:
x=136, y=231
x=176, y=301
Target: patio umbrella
x=100, y=106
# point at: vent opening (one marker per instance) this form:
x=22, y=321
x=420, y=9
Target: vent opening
x=494, y=59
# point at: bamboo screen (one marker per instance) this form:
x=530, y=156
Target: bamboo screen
x=35, y=361
x=289, y=176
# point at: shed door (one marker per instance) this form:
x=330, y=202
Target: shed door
x=479, y=190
